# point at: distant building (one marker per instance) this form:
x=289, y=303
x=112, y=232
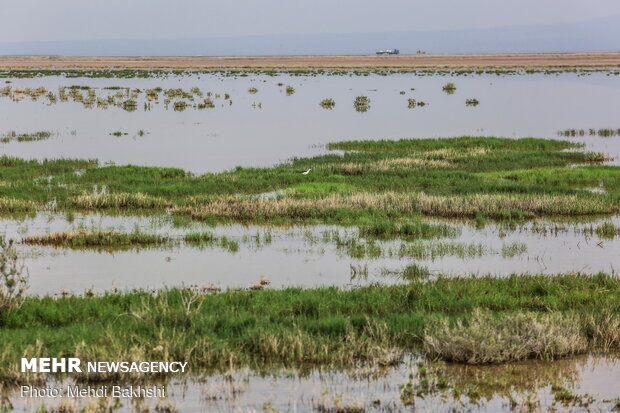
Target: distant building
x=388, y=51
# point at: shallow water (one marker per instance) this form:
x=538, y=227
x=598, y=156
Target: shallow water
x=502, y=388
x=307, y=256
x=285, y=126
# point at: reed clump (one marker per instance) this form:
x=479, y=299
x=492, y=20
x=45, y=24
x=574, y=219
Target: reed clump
x=99, y=238
x=487, y=338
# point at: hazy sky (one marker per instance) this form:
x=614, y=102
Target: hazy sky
x=45, y=20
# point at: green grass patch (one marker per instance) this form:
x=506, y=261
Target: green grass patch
x=370, y=181
x=318, y=327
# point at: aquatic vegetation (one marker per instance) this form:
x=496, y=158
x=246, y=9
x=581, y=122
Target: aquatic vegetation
x=290, y=90
x=411, y=103
x=117, y=201
x=25, y=137
x=328, y=103
x=607, y=230
x=200, y=238
x=490, y=339
x=180, y=106
x=449, y=88
x=130, y=105
x=415, y=272
x=13, y=277
x=12, y=205
x=604, y=133
x=410, y=229
x=361, y=104
x=329, y=327
x=98, y=238
x=118, y=133
x=472, y=102
x=373, y=181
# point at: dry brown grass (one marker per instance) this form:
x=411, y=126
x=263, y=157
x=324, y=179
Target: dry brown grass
x=11, y=205
x=490, y=339
x=436, y=61
x=430, y=205
x=118, y=200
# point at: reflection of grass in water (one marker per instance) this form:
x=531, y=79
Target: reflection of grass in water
x=361, y=103
x=520, y=383
x=605, y=133
x=607, y=230
x=25, y=137
x=449, y=88
x=328, y=103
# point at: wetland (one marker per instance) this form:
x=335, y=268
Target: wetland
x=371, y=242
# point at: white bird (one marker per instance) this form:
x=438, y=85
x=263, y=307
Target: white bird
x=306, y=172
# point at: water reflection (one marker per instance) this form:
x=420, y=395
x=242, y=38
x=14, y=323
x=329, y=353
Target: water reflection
x=582, y=383
x=237, y=256
x=220, y=125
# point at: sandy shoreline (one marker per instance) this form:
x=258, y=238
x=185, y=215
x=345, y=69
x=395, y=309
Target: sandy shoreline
x=368, y=62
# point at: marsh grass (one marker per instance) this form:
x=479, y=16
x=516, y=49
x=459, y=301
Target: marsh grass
x=118, y=201
x=449, y=88
x=503, y=179
x=604, y=133
x=328, y=103
x=361, y=104
x=472, y=102
x=88, y=239
x=471, y=320
x=489, y=338
x=25, y=137
x=607, y=230
x=410, y=229
x=200, y=238
x=497, y=206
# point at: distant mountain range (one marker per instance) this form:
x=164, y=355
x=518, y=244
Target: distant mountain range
x=592, y=35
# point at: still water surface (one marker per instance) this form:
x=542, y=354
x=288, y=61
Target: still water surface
x=269, y=127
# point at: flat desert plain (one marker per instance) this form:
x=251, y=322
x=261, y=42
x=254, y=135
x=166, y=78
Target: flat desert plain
x=396, y=62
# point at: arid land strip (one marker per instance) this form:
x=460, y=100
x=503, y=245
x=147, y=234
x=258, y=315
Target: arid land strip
x=357, y=62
